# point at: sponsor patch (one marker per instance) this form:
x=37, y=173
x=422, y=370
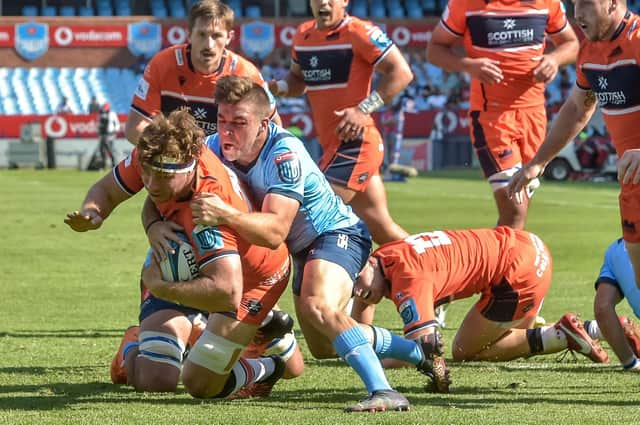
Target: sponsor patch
x=409, y=312
x=208, y=238
x=142, y=89
x=380, y=39
x=289, y=168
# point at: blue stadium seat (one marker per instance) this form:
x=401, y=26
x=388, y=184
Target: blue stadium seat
x=85, y=11
x=29, y=10
x=253, y=11
x=377, y=12
x=429, y=6
x=67, y=10
x=176, y=9
x=49, y=11
x=105, y=11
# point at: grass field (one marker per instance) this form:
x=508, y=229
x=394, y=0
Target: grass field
x=67, y=297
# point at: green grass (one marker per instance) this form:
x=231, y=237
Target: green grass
x=67, y=297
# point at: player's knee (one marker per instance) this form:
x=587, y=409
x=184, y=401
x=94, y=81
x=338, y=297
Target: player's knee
x=160, y=371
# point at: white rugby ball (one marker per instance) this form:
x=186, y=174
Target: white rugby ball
x=181, y=265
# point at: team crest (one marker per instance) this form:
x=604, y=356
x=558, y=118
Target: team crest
x=32, y=40
x=257, y=39
x=144, y=38
x=208, y=238
x=289, y=168
x=409, y=312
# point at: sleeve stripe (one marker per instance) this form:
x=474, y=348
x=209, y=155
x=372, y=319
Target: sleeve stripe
x=564, y=27
x=141, y=112
x=120, y=181
x=383, y=54
x=448, y=28
x=287, y=193
x=216, y=256
x=587, y=88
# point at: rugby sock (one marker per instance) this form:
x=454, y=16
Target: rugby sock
x=354, y=348
x=592, y=328
x=128, y=347
x=387, y=345
x=553, y=339
x=249, y=371
x=534, y=338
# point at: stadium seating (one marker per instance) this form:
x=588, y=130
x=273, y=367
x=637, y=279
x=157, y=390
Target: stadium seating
x=40, y=90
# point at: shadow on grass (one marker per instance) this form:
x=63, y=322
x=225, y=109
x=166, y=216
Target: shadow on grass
x=63, y=333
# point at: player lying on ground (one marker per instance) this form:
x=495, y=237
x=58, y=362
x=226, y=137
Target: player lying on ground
x=237, y=285
x=510, y=269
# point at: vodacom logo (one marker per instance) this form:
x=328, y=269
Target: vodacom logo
x=55, y=126
x=304, y=122
x=63, y=36
x=176, y=35
x=286, y=35
x=401, y=35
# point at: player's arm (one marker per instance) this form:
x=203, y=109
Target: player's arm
x=158, y=231
x=134, y=126
x=607, y=297
x=292, y=85
x=566, y=51
x=218, y=287
x=268, y=227
x=441, y=52
x=100, y=201
x=571, y=119
x=396, y=74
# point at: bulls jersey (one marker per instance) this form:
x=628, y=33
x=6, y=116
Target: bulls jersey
x=259, y=265
x=337, y=66
x=284, y=167
x=170, y=82
x=618, y=271
x=611, y=70
x=444, y=265
x=512, y=32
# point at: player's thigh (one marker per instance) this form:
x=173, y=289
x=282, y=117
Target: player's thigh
x=494, y=136
x=533, y=129
x=629, y=200
x=475, y=334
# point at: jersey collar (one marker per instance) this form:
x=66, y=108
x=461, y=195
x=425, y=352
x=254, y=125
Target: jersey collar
x=620, y=28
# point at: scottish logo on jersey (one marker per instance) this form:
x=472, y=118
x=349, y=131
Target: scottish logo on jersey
x=504, y=32
x=258, y=39
x=616, y=86
x=289, y=168
x=144, y=38
x=208, y=238
x=32, y=40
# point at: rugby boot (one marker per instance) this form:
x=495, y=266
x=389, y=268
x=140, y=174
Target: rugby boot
x=579, y=340
x=118, y=372
x=632, y=332
x=381, y=401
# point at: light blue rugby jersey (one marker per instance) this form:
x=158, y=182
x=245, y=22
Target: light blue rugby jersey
x=617, y=270
x=285, y=167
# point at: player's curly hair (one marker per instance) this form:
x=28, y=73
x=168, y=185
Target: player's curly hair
x=233, y=89
x=177, y=136
x=211, y=10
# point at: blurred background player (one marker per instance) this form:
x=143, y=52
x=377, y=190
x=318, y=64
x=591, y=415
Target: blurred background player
x=328, y=242
x=238, y=283
x=615, y=283
x=108, y=127
x=186, y=74
x=603, y=74
x=333, y=60
x=505, y=56
x=510, y=269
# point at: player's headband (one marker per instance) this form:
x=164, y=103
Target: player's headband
x=171, y=165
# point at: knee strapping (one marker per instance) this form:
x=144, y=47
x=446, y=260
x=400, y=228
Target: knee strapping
x=283, y=347
x=161, y=347
x=215, y=353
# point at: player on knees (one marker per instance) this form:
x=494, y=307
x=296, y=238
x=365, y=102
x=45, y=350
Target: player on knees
x=348, y=50
x=328, y=242
x=616, y=282
x=237, y=283
x=510, y=269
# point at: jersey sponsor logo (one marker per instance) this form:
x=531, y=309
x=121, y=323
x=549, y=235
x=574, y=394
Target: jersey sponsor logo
x=253, y=307
x=208, y=238
x=379, y=38
x=408, y=312
x=507, y=32
x=142, y=89
x=615, y=86
x=329, y=66
x=32, y=40
x=144, y=38
x=179, y=57
x=289, y=168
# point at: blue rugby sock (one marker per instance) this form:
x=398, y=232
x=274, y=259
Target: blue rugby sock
x=389, y=346
x=354, y=348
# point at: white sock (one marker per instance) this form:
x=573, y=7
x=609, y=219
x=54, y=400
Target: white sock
x=592, y=328
x=249, y=371
x=552, y=339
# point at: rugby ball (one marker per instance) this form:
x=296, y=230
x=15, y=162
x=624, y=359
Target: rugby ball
x=181, y=265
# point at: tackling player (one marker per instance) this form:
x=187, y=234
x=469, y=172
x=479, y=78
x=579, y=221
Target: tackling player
x=607, y=72
x=510, y=269
x=334, y=57
x=238, y=283
x=504, y=43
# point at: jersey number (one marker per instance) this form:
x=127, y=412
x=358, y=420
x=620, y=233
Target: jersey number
x=423, y=241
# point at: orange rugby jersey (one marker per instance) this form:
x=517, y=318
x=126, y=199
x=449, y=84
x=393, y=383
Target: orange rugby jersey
x=259, y=265
x=170, y=82
x=611, y=70
x=445, y=264
x=337, y=65
x=512, y=32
